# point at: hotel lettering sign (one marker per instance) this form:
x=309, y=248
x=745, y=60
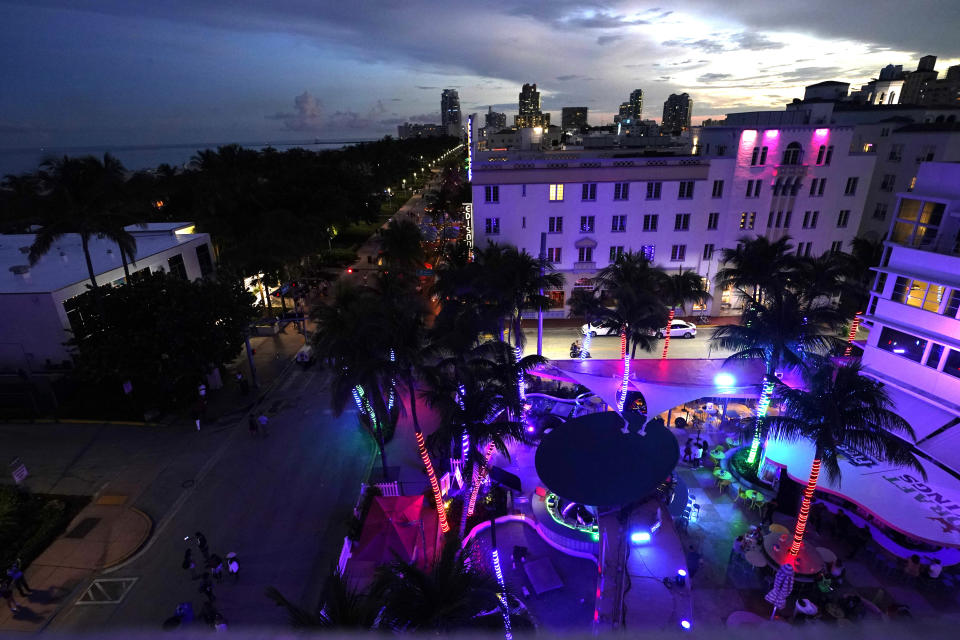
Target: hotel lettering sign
x=855, y=457
x=467, y=211
x=945, y=509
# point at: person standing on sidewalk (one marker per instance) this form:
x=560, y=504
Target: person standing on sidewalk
x=7, y=594
x=263, y=420
x=202, y=544
x=15, y=573
x=188, y=563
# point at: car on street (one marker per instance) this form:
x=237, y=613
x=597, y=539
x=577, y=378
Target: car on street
x=678, y=329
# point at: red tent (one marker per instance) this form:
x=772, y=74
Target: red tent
x=393, y=529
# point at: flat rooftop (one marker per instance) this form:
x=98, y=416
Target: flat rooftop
x=65, y=265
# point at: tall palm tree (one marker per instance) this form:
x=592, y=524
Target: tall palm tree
x=757, y=267
x=342, y=607
x=841, y=408
x=82, y=196
x=782, y=332
x=586, y=304
x=446, y=597
x=400, y=243
x=637, y=314
x=678, y=290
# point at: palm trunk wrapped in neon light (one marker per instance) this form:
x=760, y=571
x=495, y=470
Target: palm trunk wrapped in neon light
x=498, y=572
x=666, y=335
x=587, y=340
x=393, y=384
x=763, y=404
x=521, y=381
x=854, y=326
x=805, y=507
x=427, y=464
x=622, y=400
x=478, y=476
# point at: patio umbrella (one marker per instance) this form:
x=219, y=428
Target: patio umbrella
x=782, y=586
x=391, y=529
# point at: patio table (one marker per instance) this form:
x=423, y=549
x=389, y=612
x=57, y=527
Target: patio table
x=717, y=456
x=805, y=565
x=778, y=528
x=756, y=558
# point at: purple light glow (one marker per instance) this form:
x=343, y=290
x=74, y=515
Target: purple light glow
x=530, y=429
x=771, y=133
x=749, y=135
x=821, y=133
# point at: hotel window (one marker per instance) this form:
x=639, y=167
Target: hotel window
x=553, y=254
x=556, y=193
x=713, y=220
x=836, y=246
x=873, y=305
x=587, y=224
x=491, y=194
x=953, y=303
x=523, y=222
x=621, y=191
x=653, y=190
x=851, y=188
x=952, y=364
x=795, y=187
x=589, y=192
x=843, y=218
x=619, y=224
x=896, y=153
x=748, y=219
x=770, y=219
x=177, y=267
x=817, y=186
x=615, y=253
x=880, y=211
x=681, y=222
x=933, y=358
x=753, y=188
x=523, y=191
x=686, y=190
x=804, y=248
x=786, y=219
x=886, y=184
x=585, y=254
x=881, y=282
x=718, y=188
x=647, y=251
x=792, y=154
x=821, y=153
x=810, y=219
x=927, y=153
x=829, y=155
x=758, y=157
x=777, y=186
x=678, y=252
x=555, y=224
x=917, y=293
x=708, y=251
x=204, y=259
x=902, y=344
x=884, y=132
x=492, y=226
x=650, y=222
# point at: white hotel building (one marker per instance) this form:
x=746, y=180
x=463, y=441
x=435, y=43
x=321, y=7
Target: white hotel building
x=800, y=180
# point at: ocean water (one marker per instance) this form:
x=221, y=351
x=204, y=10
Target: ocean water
x=135, y=158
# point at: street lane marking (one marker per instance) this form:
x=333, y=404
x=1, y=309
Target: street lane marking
x=107, y=591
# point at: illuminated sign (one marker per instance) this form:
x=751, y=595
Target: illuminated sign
x=467, y=210
x=470, y=151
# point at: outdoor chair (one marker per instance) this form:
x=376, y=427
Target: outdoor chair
x=742, y=495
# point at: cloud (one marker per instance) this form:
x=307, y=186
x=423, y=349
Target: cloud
x=713, y=77
x=425, y=117
x=427, y=88
x=755, y=41
x=703, y=44
x=307, y=117
x=568, y=78
x=605, y=40
x=811, y=73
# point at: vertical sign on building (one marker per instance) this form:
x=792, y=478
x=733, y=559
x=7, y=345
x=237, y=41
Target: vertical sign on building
x=470, y=150
x=467, y=211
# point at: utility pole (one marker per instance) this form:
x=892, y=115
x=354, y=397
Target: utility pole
x=543, y=257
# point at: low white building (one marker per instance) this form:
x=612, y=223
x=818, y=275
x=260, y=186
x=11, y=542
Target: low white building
x=803, y=181
x=39, y=301
x=914, y=341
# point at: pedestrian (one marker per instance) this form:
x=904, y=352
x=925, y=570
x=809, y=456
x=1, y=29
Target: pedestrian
x=219, y=622
x=188, y=563
x=694, y=561
x=697, y=455
x=243, y=384
x=215, y=566
x=202, y=391
x=202, y=544
x=688, y=452
x=233, y=566
x=7, y=594
x=768, y=509
x=252, y=425
x=935, y=569
x=263, y=420
x=206, y=587
x=17, y=579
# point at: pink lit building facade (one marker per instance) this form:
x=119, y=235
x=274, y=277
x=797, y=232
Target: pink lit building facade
x=801, y=181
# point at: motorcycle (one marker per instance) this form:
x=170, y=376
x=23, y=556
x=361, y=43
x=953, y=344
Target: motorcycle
x=576, y=350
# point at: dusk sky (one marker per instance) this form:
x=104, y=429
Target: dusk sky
x=116, y=72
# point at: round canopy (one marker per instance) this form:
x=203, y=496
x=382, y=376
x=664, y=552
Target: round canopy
x=591, y=461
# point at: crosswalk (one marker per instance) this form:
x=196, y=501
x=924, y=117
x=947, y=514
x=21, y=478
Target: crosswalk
x=298, y=381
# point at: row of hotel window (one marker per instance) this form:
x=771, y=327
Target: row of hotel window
x=678, y=253
x=792, y=155
x=621, y=190
x=681, y=222
x=930, y=354
x=920, y=294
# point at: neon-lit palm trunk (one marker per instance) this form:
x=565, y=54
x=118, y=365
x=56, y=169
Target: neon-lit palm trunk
x=854, y=326
x=666, y=335
x=587, y=340
x=427, y=464
x=805, y=507
x=762, y=406
x=479, y=473
x=622, y=400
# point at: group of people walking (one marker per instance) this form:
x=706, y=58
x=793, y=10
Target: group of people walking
x=211, y=570
x=693, y=452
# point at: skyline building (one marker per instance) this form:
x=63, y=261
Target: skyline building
x=450, y=110
x=494, y=120
x=636, y=105
x=530, y=114
x=573, y=118
x=677, y=110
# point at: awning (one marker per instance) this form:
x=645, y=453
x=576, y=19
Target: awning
x=923, y=509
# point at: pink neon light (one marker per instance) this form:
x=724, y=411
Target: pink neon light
x=749, y=135
x=771, y=133
x=821, y=133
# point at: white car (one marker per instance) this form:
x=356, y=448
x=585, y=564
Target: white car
x=678, y=329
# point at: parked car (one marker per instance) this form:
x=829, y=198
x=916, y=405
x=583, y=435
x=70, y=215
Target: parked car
x=594, y=330
x=680, y=329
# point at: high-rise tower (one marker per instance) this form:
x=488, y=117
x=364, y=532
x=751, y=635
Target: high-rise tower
x=450, y=110
x=676, y=114
x=530, y=114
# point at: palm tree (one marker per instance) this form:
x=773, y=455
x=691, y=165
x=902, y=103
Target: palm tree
x=757, y=267
x=632, y=282
x=342, y=607
x=841, y=408
x=678, y=290
x=586, y=304
x=782, y=332
x=82, y=196
x=446, y=597
x=400, y=243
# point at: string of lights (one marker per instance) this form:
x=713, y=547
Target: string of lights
x=805, y=508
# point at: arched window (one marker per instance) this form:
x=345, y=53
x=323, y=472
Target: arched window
x=892, y=98
x=793, y=153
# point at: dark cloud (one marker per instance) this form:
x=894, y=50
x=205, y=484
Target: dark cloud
x=308, y=114
x=568, y=78
x=703, y=44
x=423, y=88
x=811, y=73
x=605, y=40
x=755, y=41
x=713, y=77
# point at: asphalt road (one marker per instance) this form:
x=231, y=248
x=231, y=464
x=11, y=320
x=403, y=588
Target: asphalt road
x=557, y=339
x=279, y=502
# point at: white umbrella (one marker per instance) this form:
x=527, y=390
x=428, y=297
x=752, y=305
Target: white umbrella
x=782, y=586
